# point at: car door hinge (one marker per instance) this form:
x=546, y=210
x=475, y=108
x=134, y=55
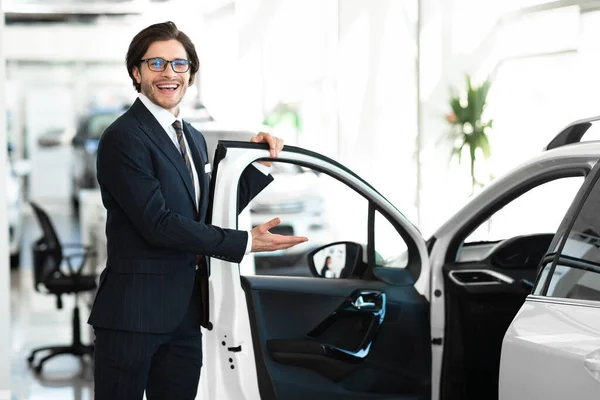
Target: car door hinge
x=437, y=341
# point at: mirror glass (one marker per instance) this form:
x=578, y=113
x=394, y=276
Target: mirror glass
x=336, y=260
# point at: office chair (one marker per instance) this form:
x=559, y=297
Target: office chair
x=48, y=258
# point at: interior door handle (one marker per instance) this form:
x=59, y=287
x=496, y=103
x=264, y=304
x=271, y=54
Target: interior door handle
x=361, y=304
x=367, y=308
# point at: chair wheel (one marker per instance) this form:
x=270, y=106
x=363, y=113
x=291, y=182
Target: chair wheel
x=30, y=359
x=38, y=369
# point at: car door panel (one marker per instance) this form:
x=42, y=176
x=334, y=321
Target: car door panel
x=288, y=309
x=549, y=361
x=259, y=324
x=551, y=350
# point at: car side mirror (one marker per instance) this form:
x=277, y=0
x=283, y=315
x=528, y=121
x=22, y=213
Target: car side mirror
x=336, y=260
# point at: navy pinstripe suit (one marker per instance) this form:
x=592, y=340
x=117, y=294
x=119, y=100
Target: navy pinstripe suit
x=150, y=304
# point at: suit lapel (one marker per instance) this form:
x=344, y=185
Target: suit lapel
x=199, y=163
x=157, y=134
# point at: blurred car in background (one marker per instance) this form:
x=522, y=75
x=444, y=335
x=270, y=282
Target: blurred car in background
x=85, y=145
x=55, y=137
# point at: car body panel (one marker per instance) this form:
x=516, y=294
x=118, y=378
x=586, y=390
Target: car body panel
x=545, y=351
x=551, y=350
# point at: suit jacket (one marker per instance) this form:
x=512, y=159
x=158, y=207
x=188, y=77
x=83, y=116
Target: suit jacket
x=154, y=229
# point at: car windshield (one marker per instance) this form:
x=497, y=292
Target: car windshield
x=98, y=123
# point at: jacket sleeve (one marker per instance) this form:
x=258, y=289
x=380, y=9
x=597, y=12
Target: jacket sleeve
x=125, y=172
x=252, y=182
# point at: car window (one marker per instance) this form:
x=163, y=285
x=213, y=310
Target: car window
x=325, y=210
x=390, y=249
x=539, y=287
x=577, y=273
x=539, y=210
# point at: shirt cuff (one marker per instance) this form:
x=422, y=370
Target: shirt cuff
x=262, y=168
x=249, y=244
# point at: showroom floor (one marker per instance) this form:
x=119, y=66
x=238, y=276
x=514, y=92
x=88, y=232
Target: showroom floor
x=37, y=322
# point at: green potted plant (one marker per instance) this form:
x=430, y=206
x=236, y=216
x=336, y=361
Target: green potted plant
x=284, y=114
x=468, y=129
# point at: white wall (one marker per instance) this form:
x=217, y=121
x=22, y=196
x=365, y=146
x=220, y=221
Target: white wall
x=377, y=97
x=350, y=67
x=5, y=348
x=540, y=83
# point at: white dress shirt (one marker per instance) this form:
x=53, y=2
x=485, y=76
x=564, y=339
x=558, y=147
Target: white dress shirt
x=166, y=119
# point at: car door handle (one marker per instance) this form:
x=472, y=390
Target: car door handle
x=361, y=304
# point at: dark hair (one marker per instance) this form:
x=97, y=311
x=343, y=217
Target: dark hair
x=154, y=33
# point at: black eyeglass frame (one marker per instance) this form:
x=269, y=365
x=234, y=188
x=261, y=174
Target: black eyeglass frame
x=167, y=62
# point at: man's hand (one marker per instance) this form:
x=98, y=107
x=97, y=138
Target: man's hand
x=275, y=145
x=263, y=240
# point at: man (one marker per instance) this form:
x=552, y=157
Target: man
x=153, y=296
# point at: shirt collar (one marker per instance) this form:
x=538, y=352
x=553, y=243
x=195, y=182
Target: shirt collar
x=164, y=117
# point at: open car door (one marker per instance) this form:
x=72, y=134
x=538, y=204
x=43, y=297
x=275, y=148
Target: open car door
x=355, y=326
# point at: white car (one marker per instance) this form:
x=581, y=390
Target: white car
x=409, y=318
x=551, y=350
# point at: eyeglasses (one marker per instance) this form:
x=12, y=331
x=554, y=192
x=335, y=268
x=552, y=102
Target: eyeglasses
x=158, y=64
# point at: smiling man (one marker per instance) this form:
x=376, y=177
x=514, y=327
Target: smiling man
x=153, y=176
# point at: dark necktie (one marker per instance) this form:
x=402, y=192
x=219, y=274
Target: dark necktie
x=184, y=154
